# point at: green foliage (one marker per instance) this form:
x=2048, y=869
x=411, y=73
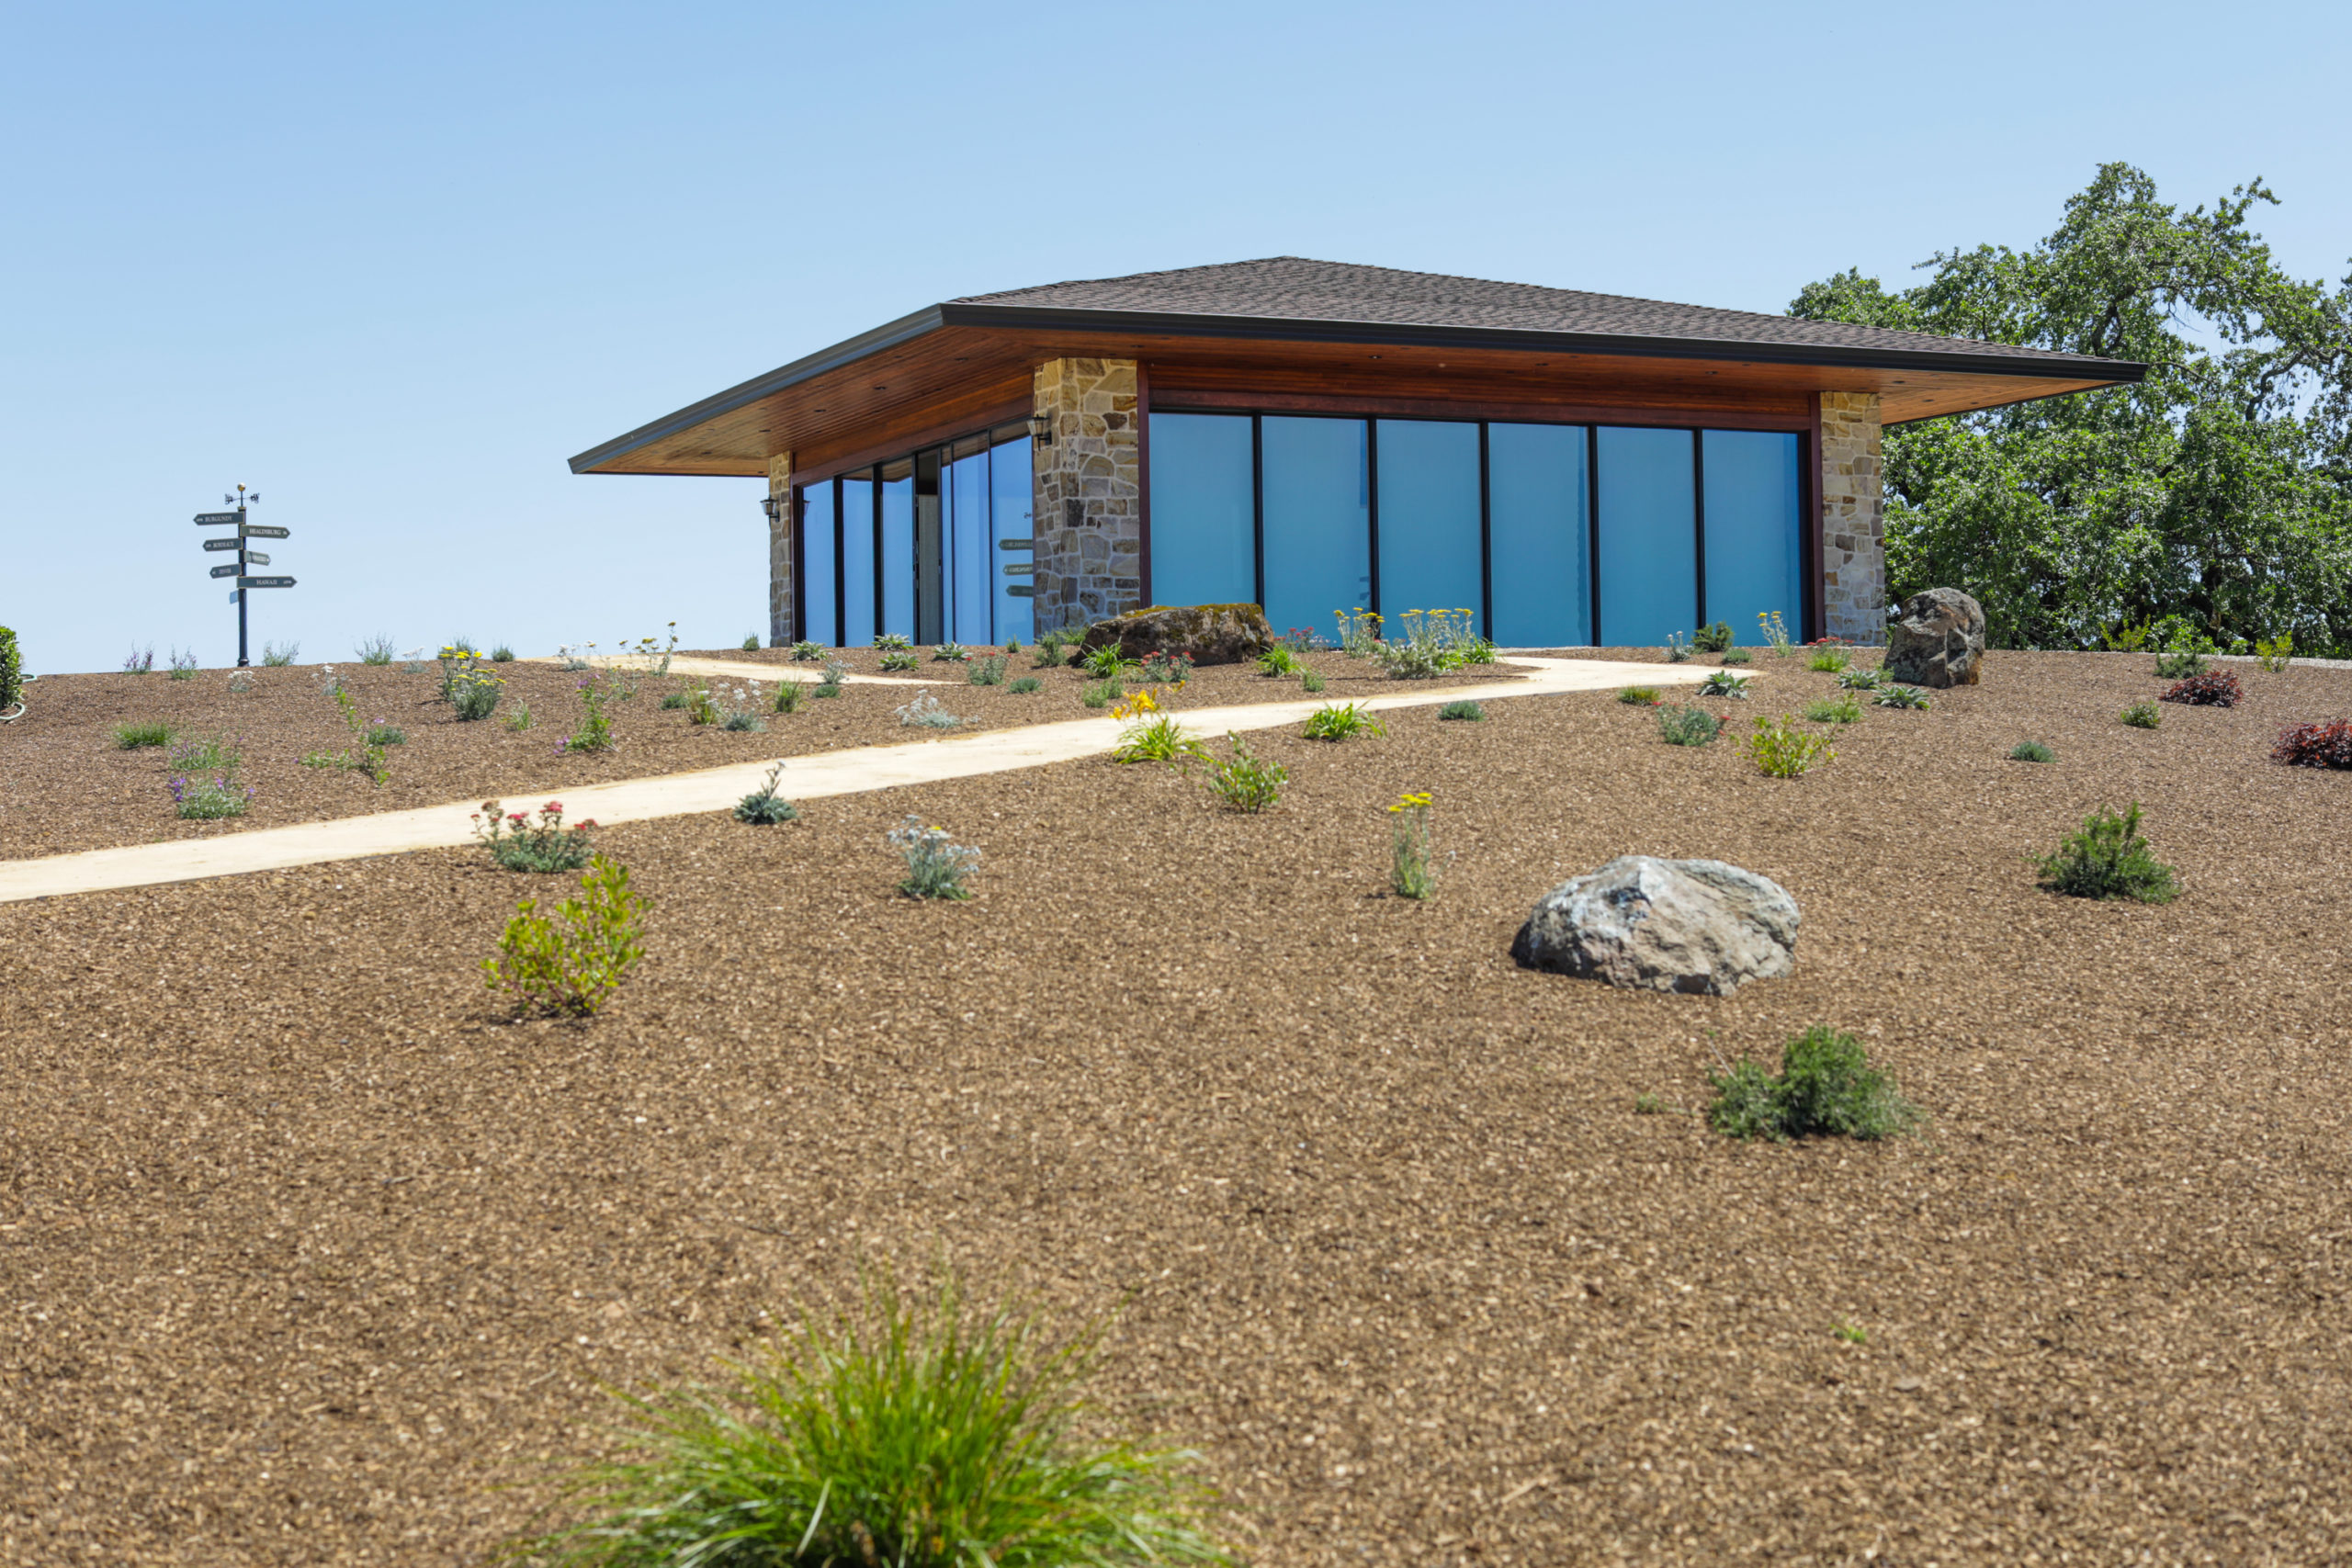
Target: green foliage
x=1427, y=643
x=140, y=660
x=1246, y=783
x=893, y=642
x=1164, y=669
x=1106, y=662
x=1897, y=696
x=1280, y=661
x=898, y=659
x=1412, y=851
x=2272, y=653
x=926, y=713
x=518, y=844
x=209, y=799
x=1775, y=631
x=1712, y=637
x=570, y=963
x=277, y=657
x=519, y=718
x=1737, y=656
x=474, y=692
x=1649, y=1105
x=1025, y=686
x=987, y=671
x=2212, y=491
x=382, y=734
x=789, y=695
x=205, y=754
x=1849, y=1333
x=183, y=665
x=1158, y=740
x=752, y=643
x=1825, y=1088
x=1463, y=708
x=1641, y=696
x=1339, y=721
x=683, y=698
x=596, y=732
x=2108, y=859
x=2144, y=716
x=1834, y=710
x=806, y=653
x=1860, y=679
x=1724, y=683
x=936, y=865
x=375, y=651
x=2180, y=661
x=1310, y=681
x=1678, y=649
x=1359, y=632
x=1101, y=693
x=950, y=653
x=763, y=808
x=1829, y=659
x=502, y=654
x=12, y=670
x=913, y=1434
x=1688, y=726
x=1780, y=751
x=148, y=732
x=2032, y=752
x=1053, y=649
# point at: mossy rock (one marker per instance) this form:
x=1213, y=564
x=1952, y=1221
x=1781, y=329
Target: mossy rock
x=1212, y=633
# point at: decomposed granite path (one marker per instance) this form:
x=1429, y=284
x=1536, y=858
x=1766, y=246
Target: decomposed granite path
x=716, y=789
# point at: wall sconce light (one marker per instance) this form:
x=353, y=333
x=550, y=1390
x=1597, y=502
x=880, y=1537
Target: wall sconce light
x=1041, y=428
x=774, y=506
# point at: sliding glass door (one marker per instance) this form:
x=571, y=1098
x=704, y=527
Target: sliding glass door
x=1316, y=520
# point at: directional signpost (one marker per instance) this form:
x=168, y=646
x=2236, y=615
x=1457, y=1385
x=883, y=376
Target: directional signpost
x=246, y=557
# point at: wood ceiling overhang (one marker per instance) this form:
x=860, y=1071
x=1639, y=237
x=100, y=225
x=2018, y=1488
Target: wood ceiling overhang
x=955, y=367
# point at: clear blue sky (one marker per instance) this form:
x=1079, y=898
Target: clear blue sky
x=392, y=264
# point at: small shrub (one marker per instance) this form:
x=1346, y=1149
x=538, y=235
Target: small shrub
x=1828, y=659
x=763, y=808
x=2213, y=689
x=1724, y=683
x=502, y=654
x=2143, y=716
x=898, y=659
x=836, y=671
x=1339, y=721
x=2183, y=654
x=1776, y=632
x=2273, y=653
x=461, y=648
x=375, y=651
x=738, y=722
x=893, y=642
x=1279, y=660
x=518, y=844
x=205, y=754
x=183, y=665
x=382, y=734
x=1011, y=647
x=826, y=689
x=1712, y=637
x=950, y=653
x=1641, y=696
x=1429, y=642
x=788, y=696
x=925, y=713
x=1899, y=696
x=1246, y=783
x=1860, y=679
x=1106, y=662
x=1649, y=1105
x=1053, y=649
x=1025, y=686
x=570, y=963
x=208, y=799
x=1780, y=751
x=1160, y=740
x=1359, y=632
x=1678, y=649
x=1737, y=656
x=141, y=661
x=596, y=732
x=277, y=657
x=1101, y=693
x=2108, y=859
x=1834, y=710
x=1412, y=854
x=474, y=692
x=1825, y=1088
x=1168, y=669
x=987, y=671
x=672, y=701
x=752, y=643
x=2032, y=752
x=1309, y=681
x=519, y=718
x=936, y=865
x=12, y=671
x=806, y=653
x=1688, y=726
x=1463, y=708
x=131, y=736
x=2315, y=745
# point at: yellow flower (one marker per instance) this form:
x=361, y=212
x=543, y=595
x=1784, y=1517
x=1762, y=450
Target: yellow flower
x=1411, y=802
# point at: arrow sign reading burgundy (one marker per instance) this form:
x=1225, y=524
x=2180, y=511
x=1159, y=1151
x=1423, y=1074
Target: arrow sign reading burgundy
x=229, y=570
x=204, y=519
x=259, y=531
x=265, y=583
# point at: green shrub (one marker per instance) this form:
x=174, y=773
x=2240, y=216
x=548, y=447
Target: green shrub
x=12, y=670
x=1278, y=660
x=382, y=734
x=1737, y=656
x=375, y=651
x=2032, y=752
x=1712, y=637
x=1896, y=696
x=1780, y=751
x=1340, y=721
x=2108, y=859
x=898, y=659
x=1825, y=1088
x=910, y=1434
x=1834, y=710
x=183, y=665
x=596, y=732
x=1641, y=696
x=826, y=689
x=790, y=694
x=752, y=643
x=205, y=754
x=950, y=653
x=2182, y=660
x=131, y=736
x=926, y=713
x=987, y=671
x=1688, y=726
x=763, y=808
x=1310, y=681
x=1724, y=683
x=1463, y=708
x=502, y=654
x=936, y=865
x=1101, y=693
x=2273, y=653
x=1246, y=783
x=1106, y=662
x=474, y=692
x=1053, y=649
x=1158, y=740
x=1412, y=852
x=1828, y=658
x=277, y=657
x=2144, y=716
x=569, y=964
x=1860, y=679
x=518, y=844
x=205, y=799
x=893, y=642
x=1025, y=686
x=672, y=701
x=806, y=653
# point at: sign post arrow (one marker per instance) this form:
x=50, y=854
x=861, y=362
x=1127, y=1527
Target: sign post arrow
x=265, y=583
x=220, y=544
x=261, y=531
x=207, y=519
x=254, y=557
x=230, y=569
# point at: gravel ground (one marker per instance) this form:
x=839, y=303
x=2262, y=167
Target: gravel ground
x=308, y=1255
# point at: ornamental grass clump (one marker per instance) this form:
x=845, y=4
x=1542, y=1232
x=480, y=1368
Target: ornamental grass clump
x=1340, y=721
x=1466, y=708
x=763, y=808
x=1280, y=661
x=1829, y=659
x=936, y=865
x=1834, y=710
x=1641, y=696
x=2212, y=689
x=927, y=1432
x=1825, y=1088
x=572, y=961
x=2032, y=752
x=1025, y=686
x=375, y=651
x=1160, y=740
x=208, y=799
x=1412, y=853
x=790, y=694
x=518, y=844
x=1780, y=751
x=131, y=736
x=1688, y=726
x=2108, y=859
x=1246, y=782
x=2326, y=745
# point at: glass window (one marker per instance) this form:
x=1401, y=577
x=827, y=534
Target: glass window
x=1318, y=520
x=1537, y=507
x=1754, y=545
x=1013, y=561
x=1203, y=509
x=898, y=486
x=965, y=487
x=930, y=555
x=1429, y=520
x=857, y=559
x=820, y=622
x=1649, y=565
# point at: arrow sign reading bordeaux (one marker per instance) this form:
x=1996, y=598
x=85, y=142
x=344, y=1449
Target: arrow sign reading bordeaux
x=265, y=583
x=229, y=570
x=204, y=519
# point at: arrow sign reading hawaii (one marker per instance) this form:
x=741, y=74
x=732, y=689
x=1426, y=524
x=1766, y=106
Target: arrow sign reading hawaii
x=265, y=583
x=204, y=519
x=261, y=531
x=229, y=570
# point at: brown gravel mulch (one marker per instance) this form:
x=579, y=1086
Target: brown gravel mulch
x=308, y=1254
x=65, y=785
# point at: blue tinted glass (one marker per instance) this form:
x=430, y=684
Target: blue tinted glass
x=1649, y=556
x=966, y=486
x=1754, y=545
x=858, y=562
x=1536, y=505
x=899, y=551
x=1429, y=520
x=1010, y=472
x=1319, y=522
x=820, y=625
x=1203, y=536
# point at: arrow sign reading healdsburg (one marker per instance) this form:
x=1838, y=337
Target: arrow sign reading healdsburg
x=247, y=557
x=258, y=531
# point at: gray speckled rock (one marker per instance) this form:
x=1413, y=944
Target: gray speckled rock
x=1939, y=640
x=1664, y=925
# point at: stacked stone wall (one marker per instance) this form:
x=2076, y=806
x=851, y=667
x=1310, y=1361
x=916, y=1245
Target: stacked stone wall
x=1089, y=492
x=780, y=628
x=1853, y=518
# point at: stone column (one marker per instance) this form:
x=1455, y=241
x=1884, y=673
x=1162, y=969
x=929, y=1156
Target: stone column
x=1089, y=492
x=1853, y=520
x=781, y=630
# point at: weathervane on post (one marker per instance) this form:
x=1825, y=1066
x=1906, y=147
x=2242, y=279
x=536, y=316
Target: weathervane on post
x=246, y=556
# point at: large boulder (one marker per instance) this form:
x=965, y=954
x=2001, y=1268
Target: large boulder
x=1939, y=640
x=1212, y=633
x=1699, y=926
